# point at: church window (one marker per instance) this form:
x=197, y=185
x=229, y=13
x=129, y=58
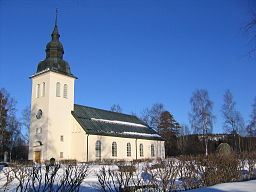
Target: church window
x=114, y=149
x=58, y=89
x=61, y=154
x=128, y=149
x=43, y=93
x=38, y=130
x=98, y=148
x=152, y=150
x=65, y=91
x=141, y=150
x=61, y=138
x=38, y=91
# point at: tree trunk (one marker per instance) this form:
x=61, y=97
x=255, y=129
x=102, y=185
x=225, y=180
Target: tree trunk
x=206, y=146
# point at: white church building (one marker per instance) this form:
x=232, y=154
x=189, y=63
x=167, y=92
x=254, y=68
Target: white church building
x=61, y=129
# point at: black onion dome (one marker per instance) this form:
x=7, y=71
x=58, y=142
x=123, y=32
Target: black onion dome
x=54, y=56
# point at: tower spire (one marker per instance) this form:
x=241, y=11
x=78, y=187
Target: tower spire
x=56, y=17
x=55, y=33
x=54, y=54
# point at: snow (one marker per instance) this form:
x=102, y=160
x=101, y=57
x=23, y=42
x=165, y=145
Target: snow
x=47, y=69
x=118, y=122
x=141, y=134
x=246, y=186
x=91, y=184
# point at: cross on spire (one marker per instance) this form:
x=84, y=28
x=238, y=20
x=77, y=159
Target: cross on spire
x=56, y=17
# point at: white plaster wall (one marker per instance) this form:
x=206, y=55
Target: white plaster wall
x=106, y=148
x=79, y=146
x=56, y=119
x=79, y=139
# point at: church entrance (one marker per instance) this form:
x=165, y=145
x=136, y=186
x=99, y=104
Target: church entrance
x=37, y=155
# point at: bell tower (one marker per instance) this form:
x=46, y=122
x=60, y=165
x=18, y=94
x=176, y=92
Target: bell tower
x=52, y=101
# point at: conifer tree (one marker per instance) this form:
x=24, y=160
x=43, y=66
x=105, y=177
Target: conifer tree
x=251, y=128
x=169, y=129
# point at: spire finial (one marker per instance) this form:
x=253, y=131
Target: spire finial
x=56, y=18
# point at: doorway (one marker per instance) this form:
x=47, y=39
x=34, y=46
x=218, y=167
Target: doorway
x=37, y=156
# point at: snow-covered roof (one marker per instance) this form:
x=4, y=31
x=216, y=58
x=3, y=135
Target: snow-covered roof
x=101, y=122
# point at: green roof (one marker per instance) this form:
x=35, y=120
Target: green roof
x=101, y=122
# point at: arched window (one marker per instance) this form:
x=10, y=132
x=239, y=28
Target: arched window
x=98, y=148
x=43, y=93
x=128, y=149
x=152, y=150
x=114, y=149
x=58, y=89
x=65, y=91
x=38, y=91
x=141, y=150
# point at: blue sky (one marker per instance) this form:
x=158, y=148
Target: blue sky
x=136, y=52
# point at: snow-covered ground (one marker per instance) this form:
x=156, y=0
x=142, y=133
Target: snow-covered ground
x=91, y=184
x=245, y=186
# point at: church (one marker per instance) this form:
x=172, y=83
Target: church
x=63, y=130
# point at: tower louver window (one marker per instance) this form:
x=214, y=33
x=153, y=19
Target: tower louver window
x=43, y=93
x=65, y=91
x=38, y=91
x=58, y=89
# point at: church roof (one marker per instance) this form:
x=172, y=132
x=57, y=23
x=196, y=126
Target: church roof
x=101, y=122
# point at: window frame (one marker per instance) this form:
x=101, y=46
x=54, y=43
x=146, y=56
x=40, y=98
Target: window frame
x=114, y=149
x=58, y=89
x=43, y=91
x=38, y=91
x=38, y=130
x=129, y=149
x=98, y=149
x=152, y=147
x=65, y=91
x=141, y=150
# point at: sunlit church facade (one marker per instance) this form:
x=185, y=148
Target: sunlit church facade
x=61, y=129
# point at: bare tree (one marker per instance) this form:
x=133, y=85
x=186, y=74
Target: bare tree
x=152, y=115
x=233, y=120
x=251, y=128
x=25, y=121
x=3, y=121
x=11, y=132
x=116, y=108
x=201, y=116
x=183, y=138
x=250, y=28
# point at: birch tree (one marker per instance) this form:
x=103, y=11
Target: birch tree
x=116, y=108
x=152, y=115
x=201, y=116
x=233, y=120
